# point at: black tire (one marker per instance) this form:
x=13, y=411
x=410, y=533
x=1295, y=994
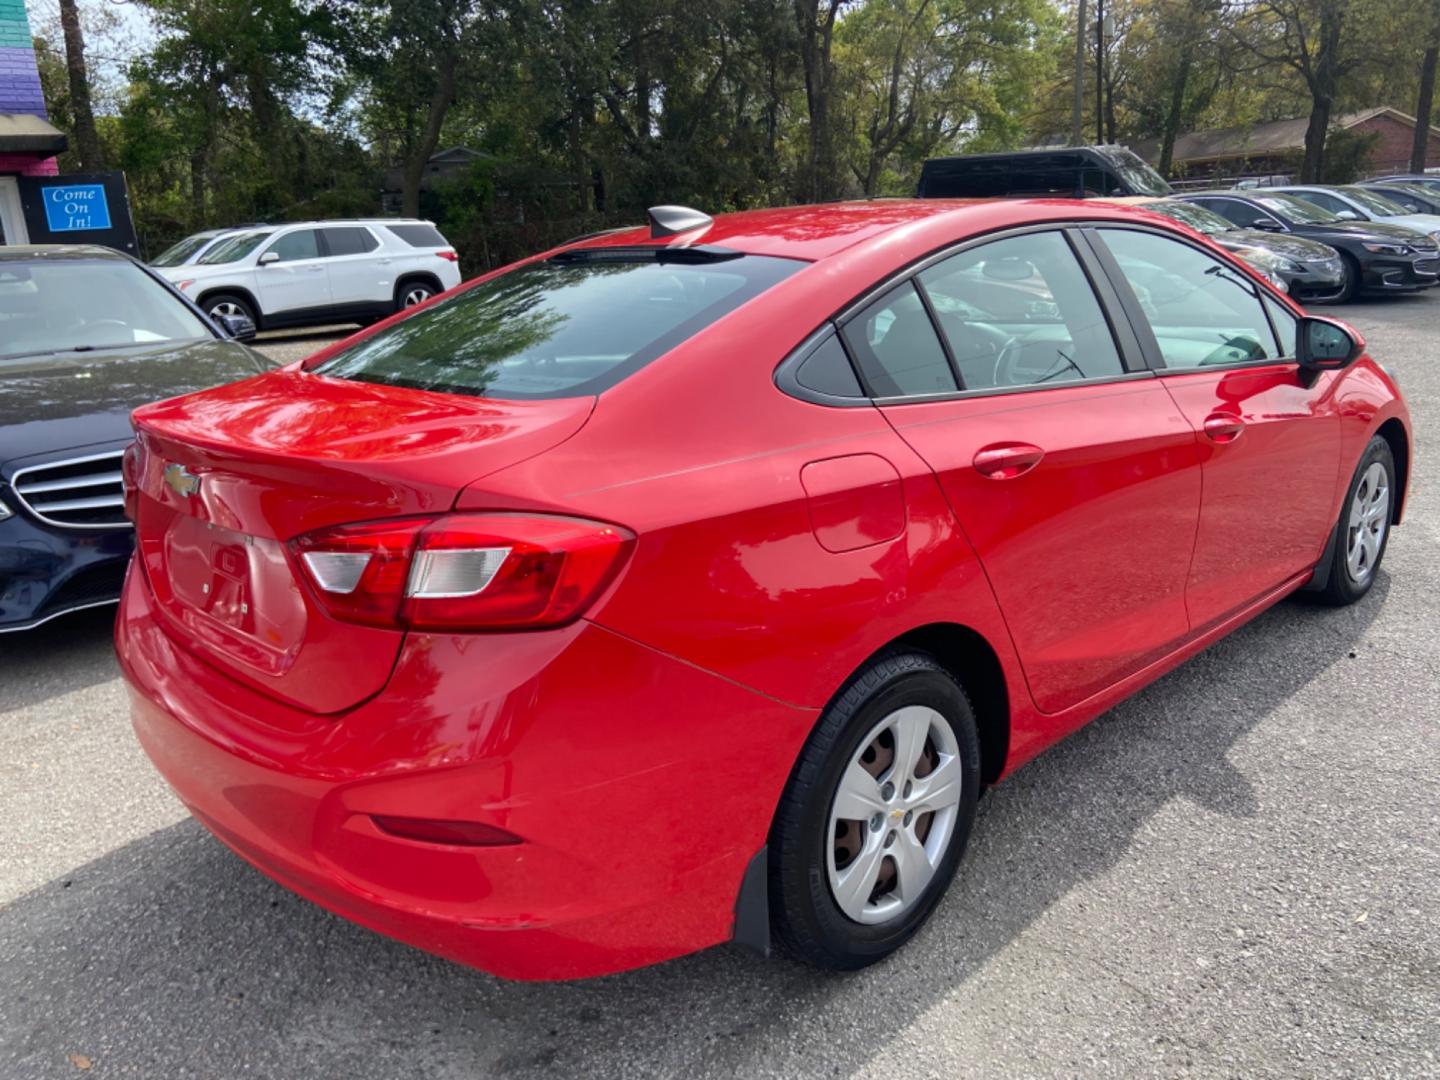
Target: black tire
x=406, y=293
x=1350, y=288
x=230, y=303
x=1342, y=587
x=806, y=919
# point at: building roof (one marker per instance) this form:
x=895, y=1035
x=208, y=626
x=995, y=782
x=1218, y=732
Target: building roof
x=25, y=133
x=1259, y=140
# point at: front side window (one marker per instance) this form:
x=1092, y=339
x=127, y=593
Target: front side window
x=1376, y=204
x=66, y=305
x=301, y=244
x=1203, y=312
x=1197, y=217
x=1021, y=312
x=1240, y=214
x=894, y=344
x=568, y=326
x=1326, y=201
x=233, y=249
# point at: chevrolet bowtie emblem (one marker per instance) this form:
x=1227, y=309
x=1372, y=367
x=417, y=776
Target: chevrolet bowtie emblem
x=181, y=481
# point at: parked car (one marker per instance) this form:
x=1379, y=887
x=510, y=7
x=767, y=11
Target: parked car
x=1414, y=198
x=689, y=584
x=320, y=272
x=86, y=335
x=1378, y=257
x=1070, y=172
x=1352, y=203
x=1308, y=270
x=1428, y=181
x=189, y=250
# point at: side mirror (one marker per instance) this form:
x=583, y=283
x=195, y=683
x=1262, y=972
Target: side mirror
x=1327, y=344
x=237, y=327
x=1267, y=224
x=269, y=257
x=1347, y=215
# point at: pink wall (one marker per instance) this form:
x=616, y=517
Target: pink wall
x=28, y=165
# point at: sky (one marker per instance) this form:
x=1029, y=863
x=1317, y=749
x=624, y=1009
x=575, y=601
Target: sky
x=116, y=31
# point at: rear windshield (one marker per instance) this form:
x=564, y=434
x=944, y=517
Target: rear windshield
x=557, y=328
x=426, y=236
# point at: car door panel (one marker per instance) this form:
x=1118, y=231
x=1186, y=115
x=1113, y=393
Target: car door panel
x=1268, y=436
x=1088, y=551
x=359, y=273
x=299, y=281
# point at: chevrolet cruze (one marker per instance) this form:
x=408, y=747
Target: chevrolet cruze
x=688, y=584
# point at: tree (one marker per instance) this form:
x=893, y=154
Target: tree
x=1425, y=96
x=87, y=139
x=815, y=24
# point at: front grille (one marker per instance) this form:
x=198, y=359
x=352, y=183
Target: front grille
x=1427, y=266
x=93, y=585
x=81, y=493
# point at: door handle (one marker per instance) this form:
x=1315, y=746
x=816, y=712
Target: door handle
x=1224, y=427
x=1005, y=461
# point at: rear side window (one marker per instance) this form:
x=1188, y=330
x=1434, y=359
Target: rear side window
x=894, y=343
x=1021, y=312
x=560, y=328
x=421, y=236
x=350, y=240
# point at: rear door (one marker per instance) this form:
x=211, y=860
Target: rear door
x=1069, y=467
x=1269, y=437
x=298, y=279
x=356, y=273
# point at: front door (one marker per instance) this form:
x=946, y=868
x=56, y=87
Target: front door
x=1072, y=472
x=12, y=220
x=298, y=279
x=1269, y=438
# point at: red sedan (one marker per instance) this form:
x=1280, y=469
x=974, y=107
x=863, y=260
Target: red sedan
x=688, y=584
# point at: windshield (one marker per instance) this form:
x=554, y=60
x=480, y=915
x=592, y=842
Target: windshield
x=1142, y=179
x=236, y=247
x=559, y=328
x=1376, y=204
x=176, y=254
x=1297, y=210
x=1197, y=217
x=63, y=305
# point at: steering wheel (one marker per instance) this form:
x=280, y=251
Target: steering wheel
x=1004, y=351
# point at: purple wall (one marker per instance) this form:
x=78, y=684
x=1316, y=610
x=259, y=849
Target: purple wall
x=20, y=84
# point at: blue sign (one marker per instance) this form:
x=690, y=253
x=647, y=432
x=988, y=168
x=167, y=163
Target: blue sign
x=75, y=207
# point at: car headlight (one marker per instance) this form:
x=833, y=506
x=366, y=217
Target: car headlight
x=1276, y=280
x=1290, y=266
x=1387, y=249
x=5, y=511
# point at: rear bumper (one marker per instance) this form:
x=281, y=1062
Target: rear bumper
x=639, y=785
x=47, y=572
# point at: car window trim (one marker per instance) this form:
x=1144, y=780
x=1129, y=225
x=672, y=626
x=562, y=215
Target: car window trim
x=1127, y=344
x=787, y=373
x=320, y=246
x=1141, y=322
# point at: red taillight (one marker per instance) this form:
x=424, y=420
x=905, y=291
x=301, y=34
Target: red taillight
x=448, y=256
x=466, y=833
x=130, y=481
x=463, y=571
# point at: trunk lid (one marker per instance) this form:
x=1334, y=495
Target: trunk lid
x=227, y=477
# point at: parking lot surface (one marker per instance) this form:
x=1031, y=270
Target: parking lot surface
x=1233, y=873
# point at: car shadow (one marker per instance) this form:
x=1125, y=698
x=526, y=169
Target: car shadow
x=170, y=956
x=58, y=657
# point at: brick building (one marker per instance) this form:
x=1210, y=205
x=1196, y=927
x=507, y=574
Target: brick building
x=28, y=143
x=1278, y=147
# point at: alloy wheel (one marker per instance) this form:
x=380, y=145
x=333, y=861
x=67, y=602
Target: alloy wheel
x=415, y=294
x=894, y=814
x=227, y=307
x=1369, y=518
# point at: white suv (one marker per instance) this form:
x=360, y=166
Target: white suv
x=316, y=272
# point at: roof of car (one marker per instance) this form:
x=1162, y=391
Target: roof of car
x=14, y=252
x=818, y=231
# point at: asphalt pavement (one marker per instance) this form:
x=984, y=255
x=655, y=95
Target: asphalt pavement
x=1236, y=872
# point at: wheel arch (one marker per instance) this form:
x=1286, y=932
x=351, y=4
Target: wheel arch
x=423, y=277
x=232, y=290
x=1393, y=432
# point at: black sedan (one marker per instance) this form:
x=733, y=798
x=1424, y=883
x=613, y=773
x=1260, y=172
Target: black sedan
x=1413, y=197
x=1378, y=258
x=86, y=335
x=1310, y=271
